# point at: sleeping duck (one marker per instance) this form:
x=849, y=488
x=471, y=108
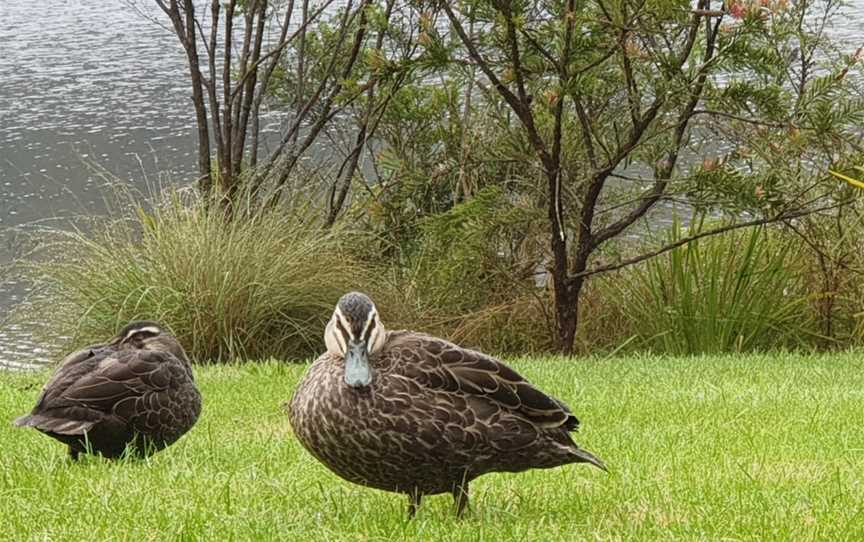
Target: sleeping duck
x=135, y=391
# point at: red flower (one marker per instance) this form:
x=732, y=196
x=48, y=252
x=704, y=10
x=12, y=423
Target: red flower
x=738, y=10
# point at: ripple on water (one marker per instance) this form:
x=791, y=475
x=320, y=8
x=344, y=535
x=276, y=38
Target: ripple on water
x=81, y=81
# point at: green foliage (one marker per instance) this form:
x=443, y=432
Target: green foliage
x=462, y=255
x=431, y=160
x=463, y=278
x=708, y=448
x=452, y=197
x=833, y=267
x=735, y=126
x=247, y=288
x=733, y=293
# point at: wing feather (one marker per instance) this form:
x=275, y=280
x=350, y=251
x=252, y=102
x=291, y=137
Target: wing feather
x=117, y=383
x=452, y=368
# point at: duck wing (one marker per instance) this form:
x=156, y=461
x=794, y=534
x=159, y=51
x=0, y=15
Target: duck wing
x=439, y=364
x=70, y=369
x=130, y=385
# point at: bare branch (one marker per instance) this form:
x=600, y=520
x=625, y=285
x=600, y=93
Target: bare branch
x=521, y=108
x=505, y=6
x=215, y=7
x=265, y=81
x=289, y=136
x=586, y=130
x=274, y=54
x=664, y=170
x=349, y=165
x=716, y=231
x=227, y=102
x=328, y=102
x=184, y=29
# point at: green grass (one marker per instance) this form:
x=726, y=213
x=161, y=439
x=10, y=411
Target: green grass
x=766, y=447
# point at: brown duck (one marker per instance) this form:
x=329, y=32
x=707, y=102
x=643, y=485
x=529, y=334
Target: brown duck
x=135, y=391
x=414, y=414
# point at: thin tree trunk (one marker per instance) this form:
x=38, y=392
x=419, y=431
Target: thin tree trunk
x=247, y=99
x=215, y=6
x=346, y=172
x=301, y=65
x=227, y=103
x=264, y=82
x=184, y=28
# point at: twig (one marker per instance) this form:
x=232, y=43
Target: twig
x=685, y=240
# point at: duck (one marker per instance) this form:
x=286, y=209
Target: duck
x=133, y=395
x=410, y=413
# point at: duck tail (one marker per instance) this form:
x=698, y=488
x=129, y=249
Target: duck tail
x=54, y=425
x=24, y=421
x=584, y=456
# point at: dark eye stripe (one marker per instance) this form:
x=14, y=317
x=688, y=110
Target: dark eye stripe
x=342, y=329
x=368, y=333
x=139, y=336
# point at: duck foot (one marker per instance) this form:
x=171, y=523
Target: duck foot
x=414, y=499
x=73, y=453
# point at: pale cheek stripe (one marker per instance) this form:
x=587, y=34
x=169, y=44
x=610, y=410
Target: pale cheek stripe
x=150, y=329
x=369, y=320
x=372, y=338
x=344, y=323
x=339, y=338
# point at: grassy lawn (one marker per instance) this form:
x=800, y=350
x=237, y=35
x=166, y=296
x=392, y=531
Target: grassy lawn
x=733, y=448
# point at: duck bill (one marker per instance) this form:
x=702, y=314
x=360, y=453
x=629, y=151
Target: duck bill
x=358, y=374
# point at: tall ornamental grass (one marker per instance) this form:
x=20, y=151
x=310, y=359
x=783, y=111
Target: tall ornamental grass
x=732, y=293
x=252, y=287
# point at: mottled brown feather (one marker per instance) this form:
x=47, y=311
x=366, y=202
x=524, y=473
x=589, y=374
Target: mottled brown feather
x=458, y=369
x=117, y=397
x=434, y=417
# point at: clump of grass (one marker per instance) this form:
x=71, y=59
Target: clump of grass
x=521, y=323
x=255, y=286
x=732, y=293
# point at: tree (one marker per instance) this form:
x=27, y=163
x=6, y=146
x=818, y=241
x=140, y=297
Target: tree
x=233, y=63
x=622, y=90
x=614, y=110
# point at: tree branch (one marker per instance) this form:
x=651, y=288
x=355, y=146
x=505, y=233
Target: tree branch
x=664, y=171
x=264, y=83
x=288, y=137
x=273, y=54
x=522, y=109
x=359, y=36
x=349, y=165
x=716, y=231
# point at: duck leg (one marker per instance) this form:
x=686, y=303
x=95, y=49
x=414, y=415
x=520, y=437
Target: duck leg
x=460, y=497
x=414, y=499
x=73, y=454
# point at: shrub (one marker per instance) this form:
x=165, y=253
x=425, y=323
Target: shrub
x=469, y=276
x=249, y=288
x=833, y=264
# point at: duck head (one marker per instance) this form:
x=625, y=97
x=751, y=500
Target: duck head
x=148, y=335
x=354, y=333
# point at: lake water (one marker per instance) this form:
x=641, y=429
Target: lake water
x=90, y=84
